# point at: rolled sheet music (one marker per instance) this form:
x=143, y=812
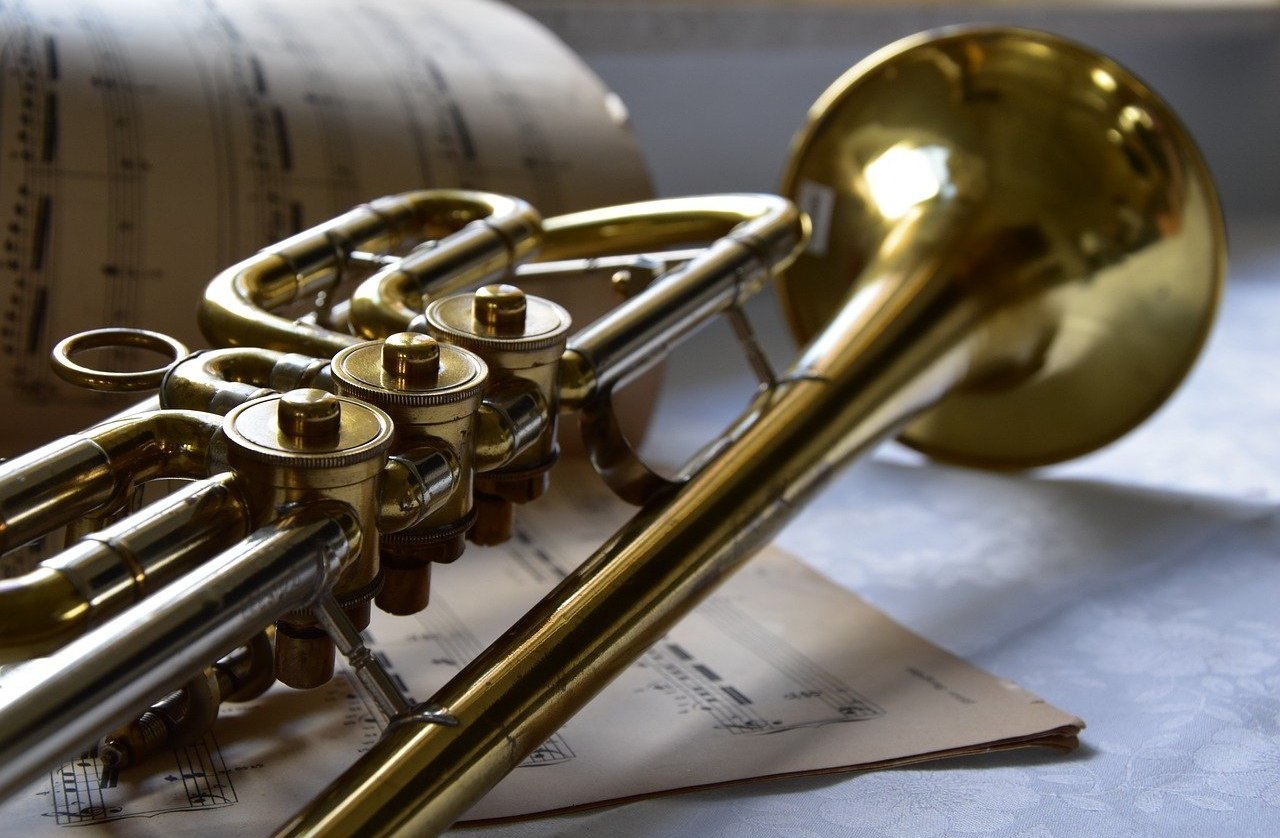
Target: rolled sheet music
x=146, y=145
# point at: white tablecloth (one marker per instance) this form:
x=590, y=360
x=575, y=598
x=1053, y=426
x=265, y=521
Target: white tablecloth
x=1137, y=588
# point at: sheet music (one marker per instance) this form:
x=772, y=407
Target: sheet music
x=780, y=672
x=145, y=145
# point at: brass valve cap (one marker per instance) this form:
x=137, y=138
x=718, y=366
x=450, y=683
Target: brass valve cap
x=501, y=324
x=308, y=429
x=309, y=417
x=409, y=370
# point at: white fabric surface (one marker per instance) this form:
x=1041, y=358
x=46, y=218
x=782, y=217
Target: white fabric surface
x=1136, y=588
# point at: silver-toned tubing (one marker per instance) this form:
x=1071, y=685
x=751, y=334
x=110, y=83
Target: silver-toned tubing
x=111, y=569
x=294, y=371
x=51, y=707
x=78, y=474
x=119, y=565
x=51, y=486
x=508, y=422
x=369, y=670
x=440, y=474
x=639, y=333
x=414, y=485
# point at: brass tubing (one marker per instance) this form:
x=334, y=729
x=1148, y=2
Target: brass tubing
x=238, y=306
x=109, y=570
x=216, y=380
x=183, y=717
x=166, y=443
x=50, y=708
x=507, y=423
x=666, y=223
x=422, y=775
x=52, y=486
x=415, y=485
x=248, y=671
x=389, y=300
x=754, y=237
x=78, y=474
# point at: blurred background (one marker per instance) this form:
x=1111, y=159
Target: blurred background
x=716, y=89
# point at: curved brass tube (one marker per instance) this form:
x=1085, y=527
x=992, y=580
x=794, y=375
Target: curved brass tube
x=387, y=302
x=95, y=469
x=1005, y=311
x=217, y=380
x=754, y=237
x=477, y=230
x=997, y=310
x=496, y=237
x=108, y=571
x=422, y=774
x=675, y=222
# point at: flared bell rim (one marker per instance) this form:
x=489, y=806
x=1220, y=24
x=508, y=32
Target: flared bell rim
x=972, y=428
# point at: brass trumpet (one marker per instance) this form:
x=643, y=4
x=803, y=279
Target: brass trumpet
x=1010, y=252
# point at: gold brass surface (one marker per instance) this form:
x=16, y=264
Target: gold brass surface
x=96, y=471
x=412, y=360
x=480, y=234
x=499, y=309
x=306, y=447
x=521, y=339
x=434, y=411
x=1012, y=249
x=115, y=338
x=949, y=273
x=309, y=417
x=1070, y=205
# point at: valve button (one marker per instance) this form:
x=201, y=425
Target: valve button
x=310, y=416
x=412, y=360
x=499, y=309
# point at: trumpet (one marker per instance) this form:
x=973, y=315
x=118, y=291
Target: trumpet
x=995, y=243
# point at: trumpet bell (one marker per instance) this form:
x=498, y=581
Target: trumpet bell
x=1061, y=189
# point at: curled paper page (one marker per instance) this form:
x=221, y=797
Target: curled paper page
x=147, y=145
